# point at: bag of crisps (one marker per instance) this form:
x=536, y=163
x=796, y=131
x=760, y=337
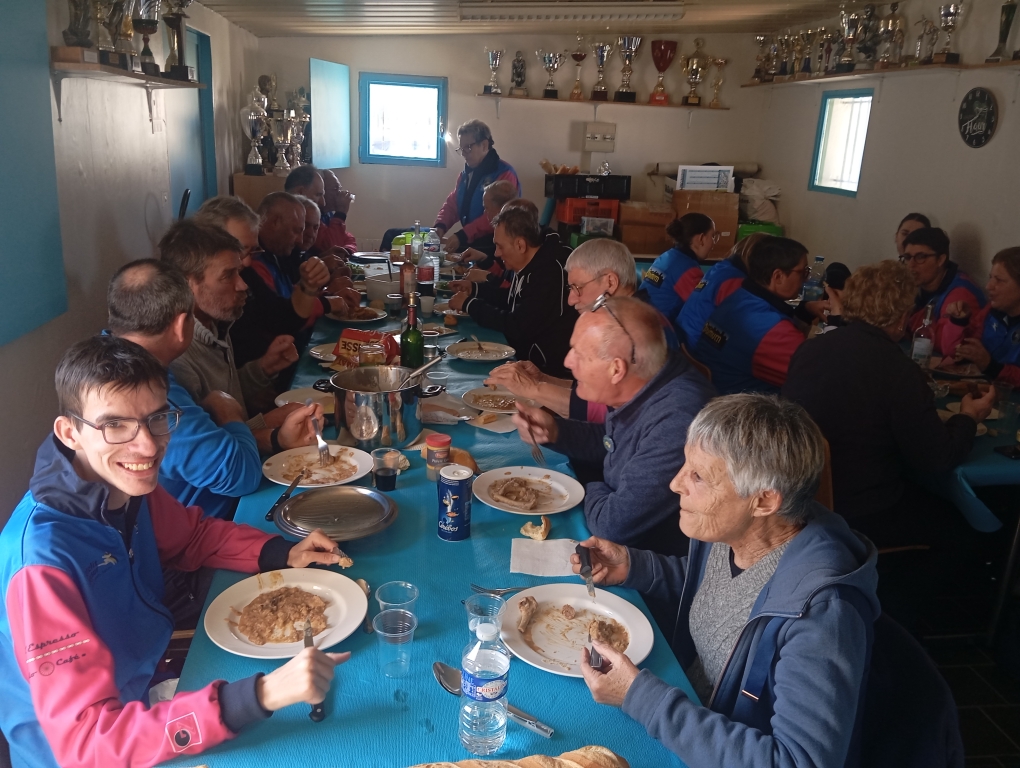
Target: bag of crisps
x=349, y=344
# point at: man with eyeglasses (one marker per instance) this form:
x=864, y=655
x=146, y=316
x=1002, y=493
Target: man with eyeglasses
x=82, y=620
x=940, y=282
x=619, y=357
x=750, y=336
x=482, y=167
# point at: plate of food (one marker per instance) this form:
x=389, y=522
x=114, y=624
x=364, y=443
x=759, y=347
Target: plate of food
x=348, y=465
x=323, y=352
x=955, y=408
x=490, y=351
x=948, y=366
x=359, y=315
x=301, y=394
x=491, y=399
x=263, y=617
x=547, y=626
x=528, y=490
x=439, y=328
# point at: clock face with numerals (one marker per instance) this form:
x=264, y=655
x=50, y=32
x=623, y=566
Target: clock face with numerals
x=978, y=118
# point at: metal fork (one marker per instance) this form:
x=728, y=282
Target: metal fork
x=325, y=457
x=536, y=452
x=497, y=592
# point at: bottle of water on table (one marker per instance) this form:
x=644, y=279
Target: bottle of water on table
x=814, y=286
x=484, y=669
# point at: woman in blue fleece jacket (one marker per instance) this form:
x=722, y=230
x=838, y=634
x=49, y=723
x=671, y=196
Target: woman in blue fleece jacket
x=777, y=601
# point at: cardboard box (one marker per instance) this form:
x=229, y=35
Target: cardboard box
x=720, y=206
x=646, y=214
x=645, y=239
x=252, y=189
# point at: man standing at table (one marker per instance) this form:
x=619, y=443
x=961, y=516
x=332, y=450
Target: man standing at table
x=619, y=357
x=534, y=313
x=82, y=625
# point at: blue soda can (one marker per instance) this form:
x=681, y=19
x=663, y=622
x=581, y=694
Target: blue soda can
x=455, y=502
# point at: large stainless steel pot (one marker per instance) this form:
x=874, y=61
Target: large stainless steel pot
x=370, y=404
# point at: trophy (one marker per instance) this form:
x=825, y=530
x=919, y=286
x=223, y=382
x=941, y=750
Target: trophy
x=759, y=60
x=281, y=129
x=892, y=30
x=602, y=53
x=550, y=63
x=145, y=21
x=772, y=60
x=949, y=20
x=824, y=39
x=694, y=68
x=579, y=55
x=109, y=17
x=253, y=123
x=1005, y=22
x=807, y=40
x=784, y=56
x=851, y=29
x=720, y=65
x=798, y=52
x=663, y=52
x=176, y=63
x=628, y=45
x=518, y=72
x=299, y=103
x=78, y=34
x=867, y=38
x=495, y=57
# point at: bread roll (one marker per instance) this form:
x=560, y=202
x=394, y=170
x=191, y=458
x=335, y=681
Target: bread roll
x=450, y=320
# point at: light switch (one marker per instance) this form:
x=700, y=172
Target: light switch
x=599, y=137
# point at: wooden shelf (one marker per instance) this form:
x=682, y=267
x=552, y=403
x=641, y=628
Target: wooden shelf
x=893, y=72
x=597, y=104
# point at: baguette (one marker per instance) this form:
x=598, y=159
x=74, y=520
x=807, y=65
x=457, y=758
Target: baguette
x=585, y=757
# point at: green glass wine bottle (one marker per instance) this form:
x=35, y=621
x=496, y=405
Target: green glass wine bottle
x=412, y=342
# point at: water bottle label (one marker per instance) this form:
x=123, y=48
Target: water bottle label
x=922, y=350
x=483, y=688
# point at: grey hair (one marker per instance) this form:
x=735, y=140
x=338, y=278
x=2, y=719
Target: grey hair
x=643, y=323
x=602, y=255
x=478, y=131
x=218, y=210
x=307, y=202
x=768, y=444
x=501, y=192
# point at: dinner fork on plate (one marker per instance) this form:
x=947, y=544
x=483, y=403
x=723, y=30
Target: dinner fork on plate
x=325, y=457
x=497, y=592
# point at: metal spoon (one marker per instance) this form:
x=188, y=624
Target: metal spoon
x=419, y=371
x=449, y=678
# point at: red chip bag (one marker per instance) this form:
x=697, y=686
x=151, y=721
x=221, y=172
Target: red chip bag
x=349, y=345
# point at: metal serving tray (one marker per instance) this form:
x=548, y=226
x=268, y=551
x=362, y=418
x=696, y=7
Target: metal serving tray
x=343, y=512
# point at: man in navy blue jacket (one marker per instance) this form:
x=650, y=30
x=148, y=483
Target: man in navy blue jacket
x=619, y=357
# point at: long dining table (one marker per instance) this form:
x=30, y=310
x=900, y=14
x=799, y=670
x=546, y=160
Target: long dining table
x=372, y=720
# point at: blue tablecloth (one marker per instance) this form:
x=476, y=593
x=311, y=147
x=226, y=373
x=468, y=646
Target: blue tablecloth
x=376, y=721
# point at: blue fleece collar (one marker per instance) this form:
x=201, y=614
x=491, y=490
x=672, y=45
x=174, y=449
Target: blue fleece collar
x=56, y=484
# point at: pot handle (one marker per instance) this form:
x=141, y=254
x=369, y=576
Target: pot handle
x=431, y=390
x=323, y=385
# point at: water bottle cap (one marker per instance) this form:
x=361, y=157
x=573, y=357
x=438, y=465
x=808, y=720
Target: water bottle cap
x=486, y=631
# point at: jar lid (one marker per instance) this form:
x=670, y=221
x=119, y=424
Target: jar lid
x=438, y=441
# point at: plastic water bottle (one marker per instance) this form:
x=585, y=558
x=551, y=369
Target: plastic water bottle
x=814, y=287
x=428, y=265
x=923, y=342
x=484, y=669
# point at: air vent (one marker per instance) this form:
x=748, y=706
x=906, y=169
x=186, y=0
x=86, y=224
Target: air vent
x=572, y=12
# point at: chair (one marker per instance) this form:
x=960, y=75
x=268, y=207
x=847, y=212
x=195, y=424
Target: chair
x=701, y=367
x=910, y=718
x=824, y=493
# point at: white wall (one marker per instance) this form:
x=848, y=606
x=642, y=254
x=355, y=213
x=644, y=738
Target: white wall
x=914, y=159
x=525, y=132
x=113, y=185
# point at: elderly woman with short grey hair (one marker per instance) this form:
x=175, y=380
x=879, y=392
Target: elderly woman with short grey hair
x=777, y=600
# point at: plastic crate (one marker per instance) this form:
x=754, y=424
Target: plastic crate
x=571, y=210
x=750, y=227
x=611, y=187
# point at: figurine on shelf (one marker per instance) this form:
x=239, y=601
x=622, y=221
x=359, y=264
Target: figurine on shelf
x=518, y=73
x=78, y=33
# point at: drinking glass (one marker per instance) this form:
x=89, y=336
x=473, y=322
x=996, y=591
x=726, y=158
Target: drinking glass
x=395, y=630
x=484, y=608
x=385, y=468
x=397, y=595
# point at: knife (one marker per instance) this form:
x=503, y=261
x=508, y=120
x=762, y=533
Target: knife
x=527, y=721
x=585, y=555
x=318, y=713
x=285, y=495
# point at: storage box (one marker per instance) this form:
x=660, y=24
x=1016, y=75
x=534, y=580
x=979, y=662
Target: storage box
x=252, y=189
x=750, y=227
x=645, y=239
x=647, y=214
x=721, y=207
x=560, y=185
x=576, y=238
x=572, y=210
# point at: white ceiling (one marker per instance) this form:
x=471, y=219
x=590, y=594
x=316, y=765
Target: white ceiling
x=280, y=18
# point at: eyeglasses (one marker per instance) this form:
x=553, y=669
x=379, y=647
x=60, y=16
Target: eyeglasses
x=804, y=272
x=907, y=257
x=465, y=149
x=600, y=303
x=119, y=431
x=578, y=288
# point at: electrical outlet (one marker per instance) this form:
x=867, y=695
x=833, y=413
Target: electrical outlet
x=599, y=137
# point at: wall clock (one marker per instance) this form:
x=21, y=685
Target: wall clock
x=978, y=118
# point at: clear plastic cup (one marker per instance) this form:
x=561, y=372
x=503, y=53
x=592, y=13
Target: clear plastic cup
x=427, y=304
x=484, y=609
x=397, y=595
x=395, y=630
x=385, y=468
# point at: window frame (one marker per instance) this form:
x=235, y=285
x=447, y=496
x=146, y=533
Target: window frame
x=827, y=96
x=365, y=81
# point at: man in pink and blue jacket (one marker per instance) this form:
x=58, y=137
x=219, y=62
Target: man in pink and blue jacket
x=82, y=620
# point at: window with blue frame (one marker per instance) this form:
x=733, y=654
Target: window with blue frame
x=403, y=119
x=839, y=144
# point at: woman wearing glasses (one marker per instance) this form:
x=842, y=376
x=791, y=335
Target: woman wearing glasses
x=674, y=275
x=482, y=167
x=940, y=282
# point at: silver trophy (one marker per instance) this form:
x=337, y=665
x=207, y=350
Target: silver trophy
x=629, y=45
x=759, y=60
x=494, y=57
x=550, y=63
x=695, y=67
x=892, y=30
x=145, y=21
x=851, y=23
x=601, y=52
x=1006, y=16
x=253, y=123
x=281, y=129
x=949, y=20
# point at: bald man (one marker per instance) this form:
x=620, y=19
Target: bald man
x=618, y=355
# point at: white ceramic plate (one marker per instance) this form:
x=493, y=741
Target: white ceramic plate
x=955, y=408
x=564, y=491
x=280, y=468
x=471, y=394
x=946, y=415
x=379, y=315
x=302, y=394
x=491, y=352
x=345, y=610
x=323, y=352
x=560, y=639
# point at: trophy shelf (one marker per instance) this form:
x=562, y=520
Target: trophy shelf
x=915, y=70
x=61, y=70
x=610, y=102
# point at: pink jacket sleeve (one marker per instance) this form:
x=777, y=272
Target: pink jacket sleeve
x=481, y=225
x=74, y=692
x=772, y=358
x=187, y=540
x=942, y=321
x=448, y=215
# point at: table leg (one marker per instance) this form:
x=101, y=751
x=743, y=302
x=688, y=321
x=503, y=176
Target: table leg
x=1003, y=595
